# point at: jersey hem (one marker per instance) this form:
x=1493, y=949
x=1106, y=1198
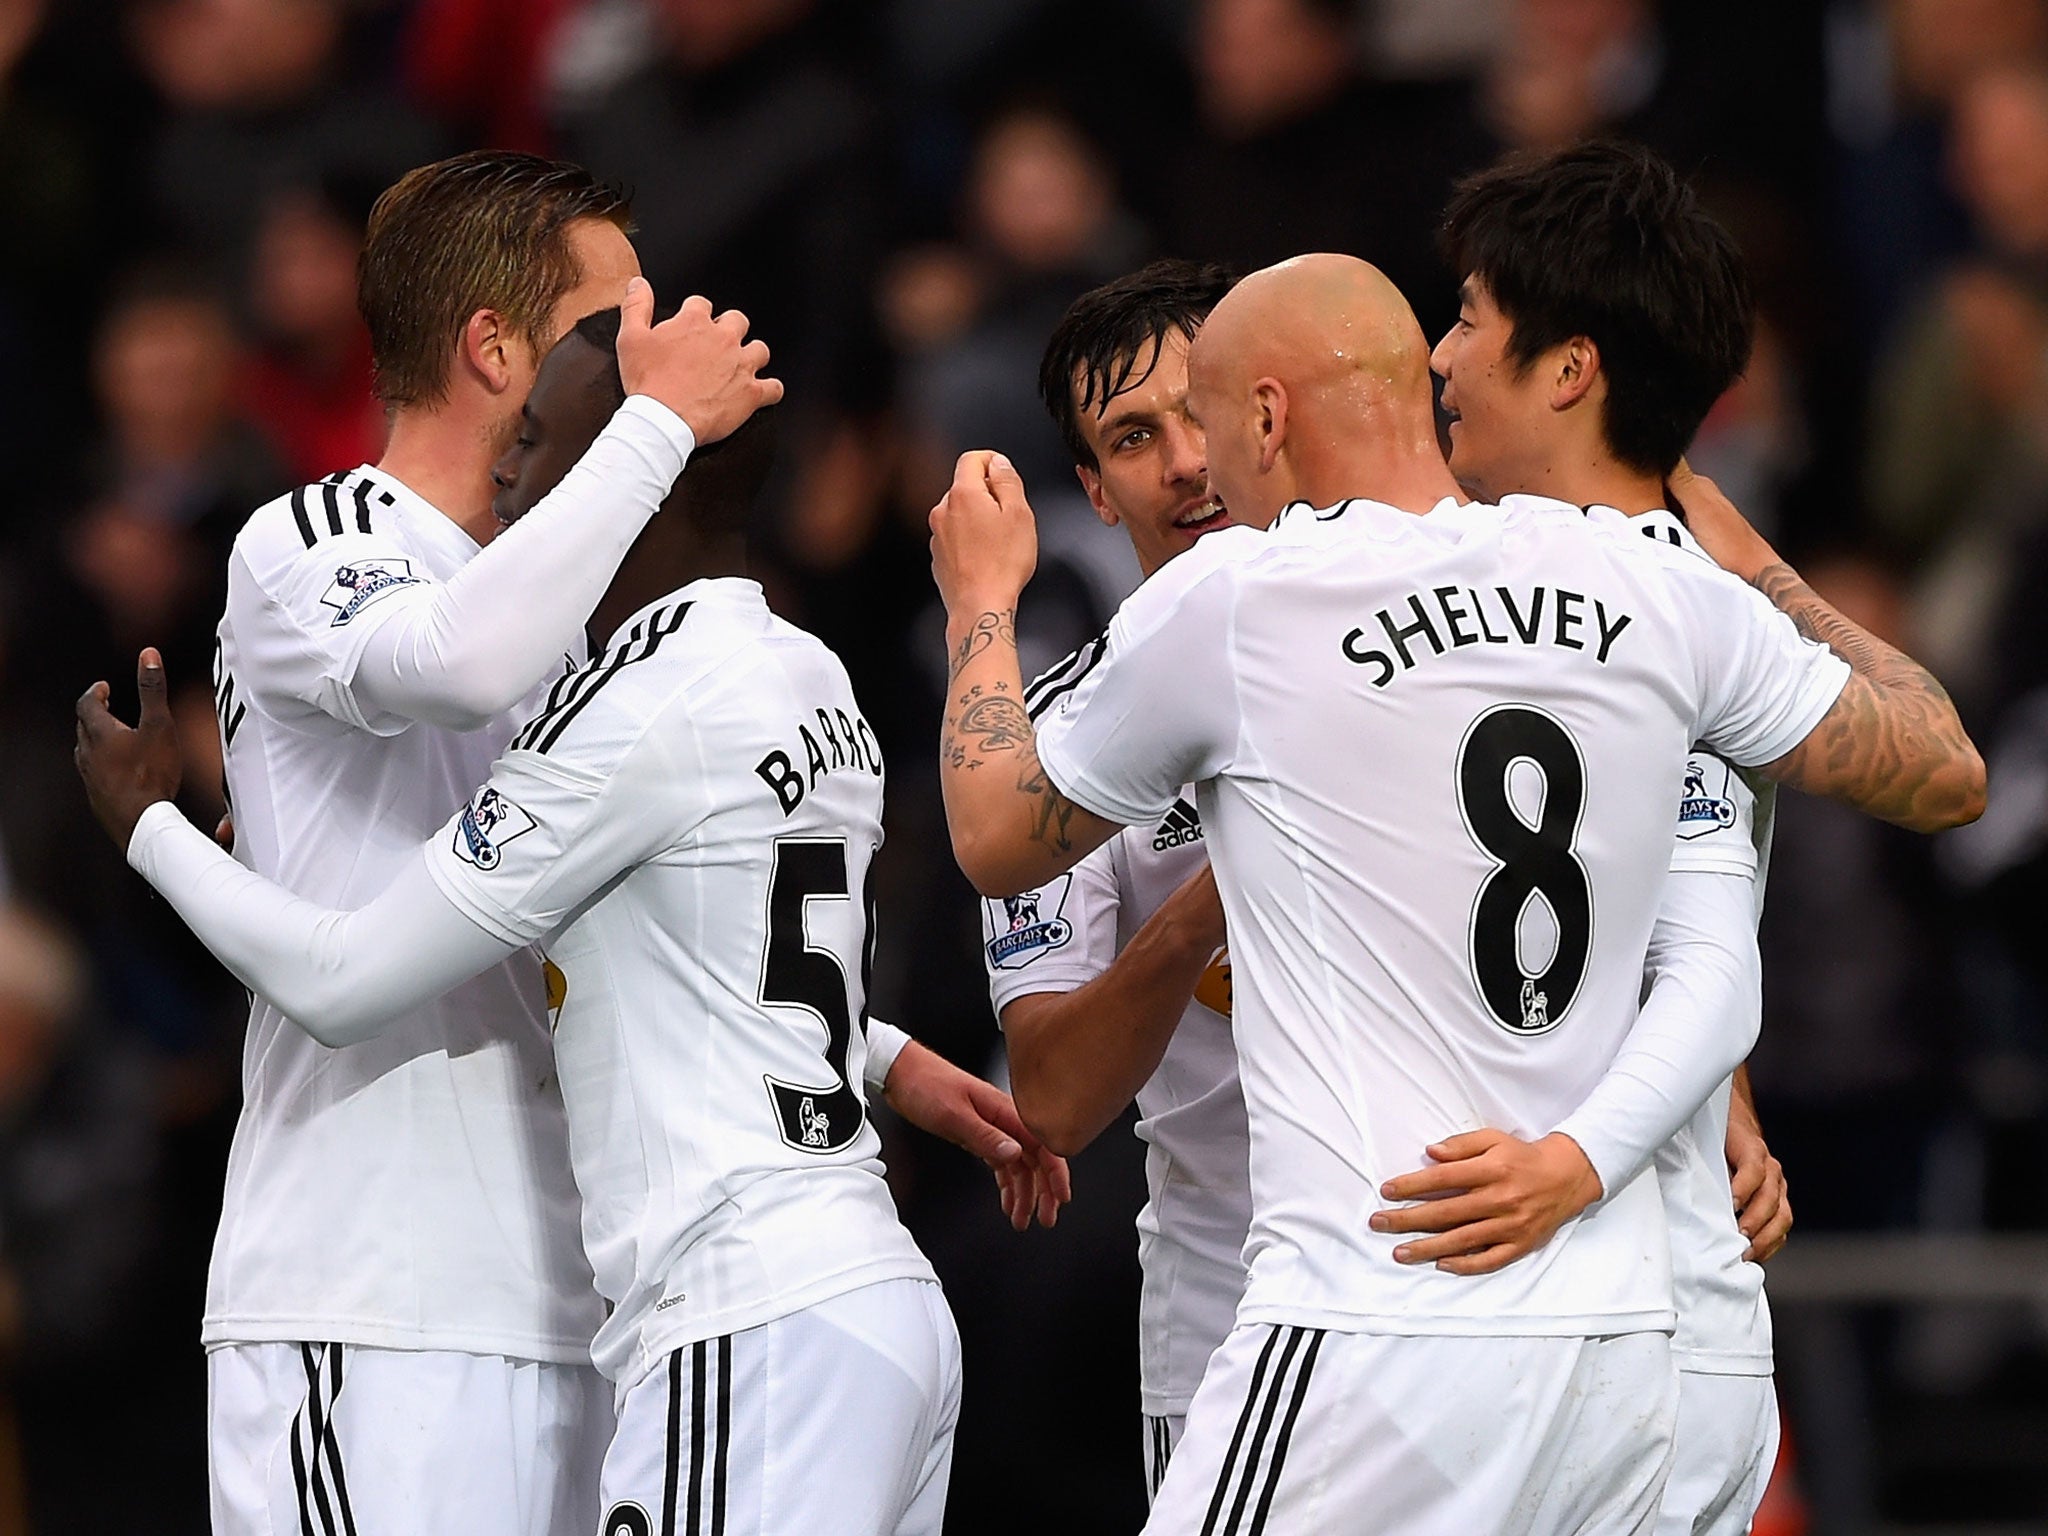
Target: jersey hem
x=655, y=1345
x=219, y=1332
x=1503, y=1326
x=1724, y=1362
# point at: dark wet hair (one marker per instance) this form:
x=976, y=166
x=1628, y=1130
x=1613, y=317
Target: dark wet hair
x=1107, y=332
x=1605, y=240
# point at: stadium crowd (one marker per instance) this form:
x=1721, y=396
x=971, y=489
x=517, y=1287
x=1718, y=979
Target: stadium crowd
x=903, y=195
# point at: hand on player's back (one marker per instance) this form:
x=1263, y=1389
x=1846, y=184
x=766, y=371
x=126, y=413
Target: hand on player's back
x=984, y=537
x=699, y=365
x=1490, y=1197
x=127, y=771
x=1756, y=1181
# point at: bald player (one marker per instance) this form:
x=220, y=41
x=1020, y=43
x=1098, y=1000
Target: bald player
x=1432, y=743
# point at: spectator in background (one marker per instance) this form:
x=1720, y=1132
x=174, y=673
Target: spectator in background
x=1300, y=148
x=1896, y=70
x=259, y=100
x=77, y=1213
x=751, y=141
x=307, y=384
x=156, y=499
x=1958, y=466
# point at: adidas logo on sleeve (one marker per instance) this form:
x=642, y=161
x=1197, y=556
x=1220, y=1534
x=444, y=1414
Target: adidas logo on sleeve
x=1183, y=824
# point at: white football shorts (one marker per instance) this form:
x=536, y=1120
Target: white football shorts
x=332, y=1439
x=1303, y=1432
x=1727, y=1445
x=836, y=1419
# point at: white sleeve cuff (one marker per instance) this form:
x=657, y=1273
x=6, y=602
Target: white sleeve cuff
x=675, y=432
x=885, y=1044
x=149, y=827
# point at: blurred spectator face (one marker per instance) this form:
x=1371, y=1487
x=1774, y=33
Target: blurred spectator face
x=20, y=21
x=1555, y=80
x=303, y=282
x=704, y=34
x=1153, y=474
x=2001, y=157
x=235, y=53
x=40, y=985
x=1263, y=62
x=1500, y=411
x=1939, y=45
x=165, y=370
x=1039, y=193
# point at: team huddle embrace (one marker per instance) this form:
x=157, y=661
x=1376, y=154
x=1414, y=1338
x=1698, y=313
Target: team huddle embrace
x=1422, y=933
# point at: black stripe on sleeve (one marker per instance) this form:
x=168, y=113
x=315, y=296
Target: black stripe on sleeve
x=718, y=1459
x=331, y=494
x=1244, y=1419
x=1308, y=1365
x=659, y=628
x=1258, y=1445
x=1038, y=706
x=675, y=1439
x=299, y=515
x=362, y=489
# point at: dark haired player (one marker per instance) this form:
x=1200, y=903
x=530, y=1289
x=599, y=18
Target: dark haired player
x=687, y=829
x=1107, y=981
x=1603, y=312
x=1396, y=755
x=398, y=1317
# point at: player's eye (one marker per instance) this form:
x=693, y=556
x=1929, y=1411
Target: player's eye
x=1133, y=439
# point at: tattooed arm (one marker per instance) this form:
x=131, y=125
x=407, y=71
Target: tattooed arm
x=1892, y=745
x=1011, y=827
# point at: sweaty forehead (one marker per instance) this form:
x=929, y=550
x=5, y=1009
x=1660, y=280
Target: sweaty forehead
x=1154, y=367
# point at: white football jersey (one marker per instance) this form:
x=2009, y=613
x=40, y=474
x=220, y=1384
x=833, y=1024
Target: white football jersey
x=1191, y=1111
x=1435, y=757
x=412, y=1191
x=690, y=827
x=1724, y=827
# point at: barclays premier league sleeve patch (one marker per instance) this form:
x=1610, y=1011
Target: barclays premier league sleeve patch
x=357, y=586
x=489, y=822
x=1706, y=806
x=1029, y=925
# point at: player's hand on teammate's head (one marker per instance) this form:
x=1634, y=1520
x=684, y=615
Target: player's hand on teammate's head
x=984, y=536
x=699, y=365
x=126, y=771
x=1722, y=531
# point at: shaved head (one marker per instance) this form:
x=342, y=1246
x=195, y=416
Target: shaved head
x=1316, y=375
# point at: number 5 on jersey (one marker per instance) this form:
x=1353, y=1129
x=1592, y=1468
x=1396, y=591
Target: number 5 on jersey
x=797, y=974
x=1535, y=859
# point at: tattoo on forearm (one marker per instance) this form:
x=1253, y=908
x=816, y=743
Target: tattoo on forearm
x=1892, y=742
x=1052, y=813
x=988, y=629
x=985, y=721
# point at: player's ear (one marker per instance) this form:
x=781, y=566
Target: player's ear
x=1269, y=421
x=1091, y=487
x=1578, y=365
x=486, y=350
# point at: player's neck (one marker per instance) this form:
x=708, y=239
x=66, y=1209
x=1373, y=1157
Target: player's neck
x=1597, y=479
x=446, y=462
x=651, y=574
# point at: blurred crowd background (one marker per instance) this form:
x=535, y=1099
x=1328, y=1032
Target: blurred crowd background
x=903, y=195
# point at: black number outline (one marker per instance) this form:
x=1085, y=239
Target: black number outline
x=797, y=873
x=1507, y=1018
